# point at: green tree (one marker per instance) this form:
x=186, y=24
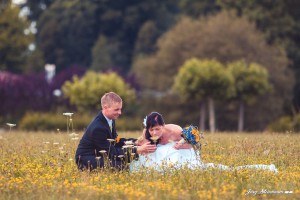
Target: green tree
x=67, y=31
x=85, y=93
x=196, y=8
x=106, y=54
x=204, y=80
x=13, y=41
x=250, y=82
x=226, y=38
x=102, y=53
x=280, y=23
x=36, y=7
x=3, y=4
x=276, y=19
x=146, y=38
x=124, y=23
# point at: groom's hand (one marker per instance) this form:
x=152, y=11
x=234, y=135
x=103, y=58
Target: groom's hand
x=146, y=148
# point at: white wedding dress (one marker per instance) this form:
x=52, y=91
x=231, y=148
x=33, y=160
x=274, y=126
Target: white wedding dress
x=166, y=157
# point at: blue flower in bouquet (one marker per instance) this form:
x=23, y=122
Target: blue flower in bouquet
x=192, y=136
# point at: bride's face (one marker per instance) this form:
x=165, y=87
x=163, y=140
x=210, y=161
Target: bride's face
x=156, y=131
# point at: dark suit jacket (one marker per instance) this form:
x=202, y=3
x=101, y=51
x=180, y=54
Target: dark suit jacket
x=95, y=139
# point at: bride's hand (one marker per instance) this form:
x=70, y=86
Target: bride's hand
x=146, y=148
x=180, y=145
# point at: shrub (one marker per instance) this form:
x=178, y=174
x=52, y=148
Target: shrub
x=84, y=92
x=38, y=121
x=283, y=124
x=20, y=93
x=296, y=123
x=52, y=121
x=129, y=124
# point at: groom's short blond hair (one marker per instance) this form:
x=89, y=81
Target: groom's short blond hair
x=110, y=98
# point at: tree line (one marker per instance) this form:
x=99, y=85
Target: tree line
x=149, y=41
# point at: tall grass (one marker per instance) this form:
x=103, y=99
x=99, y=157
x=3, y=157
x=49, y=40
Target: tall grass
x=39, y=165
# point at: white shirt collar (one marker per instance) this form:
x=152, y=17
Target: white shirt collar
x=109, y=121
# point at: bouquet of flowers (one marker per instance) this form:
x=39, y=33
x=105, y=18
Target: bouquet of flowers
x=191, y=135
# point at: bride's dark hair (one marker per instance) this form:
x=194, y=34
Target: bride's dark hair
x=153, y=119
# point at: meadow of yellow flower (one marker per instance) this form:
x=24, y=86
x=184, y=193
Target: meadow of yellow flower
x=38, y=165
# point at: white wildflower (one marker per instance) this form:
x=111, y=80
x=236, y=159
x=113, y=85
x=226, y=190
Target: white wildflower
x=73, y=134
x=128, y=142
x=11, y=125
x=68, y=114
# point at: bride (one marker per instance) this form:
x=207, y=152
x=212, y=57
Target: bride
x=171, y=152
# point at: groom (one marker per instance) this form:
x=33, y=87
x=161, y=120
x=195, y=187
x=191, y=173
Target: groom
x=97, y=135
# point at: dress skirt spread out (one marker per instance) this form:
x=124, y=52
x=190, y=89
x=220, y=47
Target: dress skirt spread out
x=166, y=156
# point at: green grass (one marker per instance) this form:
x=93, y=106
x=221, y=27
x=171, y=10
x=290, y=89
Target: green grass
x=40, y=165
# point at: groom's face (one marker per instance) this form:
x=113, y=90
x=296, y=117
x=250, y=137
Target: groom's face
x=113, y=111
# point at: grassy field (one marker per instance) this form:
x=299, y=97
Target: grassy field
x=37, y=165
